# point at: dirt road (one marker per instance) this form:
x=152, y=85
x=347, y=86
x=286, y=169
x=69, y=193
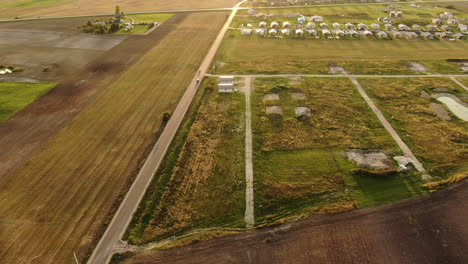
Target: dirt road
x=428, y=229
x=249, y=178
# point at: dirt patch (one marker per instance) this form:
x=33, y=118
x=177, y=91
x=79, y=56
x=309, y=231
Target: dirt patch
x=440, y=111
x=302, y=113
x=417, y=67
x=271, y=97
x=299, y=96
x=372, y=159
x=295, y=80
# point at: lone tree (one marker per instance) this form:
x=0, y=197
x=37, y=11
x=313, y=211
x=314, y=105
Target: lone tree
x=118, y=13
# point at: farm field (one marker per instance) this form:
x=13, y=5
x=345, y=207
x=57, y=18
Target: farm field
x=201, y=183
x=438, y=142
x=16, y=96
x=299, y=166
x=414, y=230
x=57, y=44
x=250, y=55
x=32, y=8
x=66, y=191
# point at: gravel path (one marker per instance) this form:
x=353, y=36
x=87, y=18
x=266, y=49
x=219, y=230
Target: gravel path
x=249, y=194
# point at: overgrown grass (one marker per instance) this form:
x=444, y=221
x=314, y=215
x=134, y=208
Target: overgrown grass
x=463, y=80
x=149, y=18
x=201, y=183
x=438, y=144
x=298, y=165
x=16, y=96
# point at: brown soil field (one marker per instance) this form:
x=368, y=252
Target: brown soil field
x=59, y=198
x=55, y=43
x=428, y=229
x=85, y=7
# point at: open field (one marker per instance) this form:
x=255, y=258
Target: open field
x=248, y=55
x=439, y=144
x=57, y=44
x=429, y=229
x=32, y=8
x=16, y=96
x=298, y=165
x=58, y=201
x=201, y=184
x=464, y=80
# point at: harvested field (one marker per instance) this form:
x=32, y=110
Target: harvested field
x=249, y=55
x=299, y=164
x=439, y=144
x=430, y=229
x=56, y=43
x=48, y=8
x=66, y=191
x=202, y=182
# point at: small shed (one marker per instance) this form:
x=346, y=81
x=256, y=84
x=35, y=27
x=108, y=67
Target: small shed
x=274, y=112
x=416, y=27
x=246, y=31
x=349, y=26
x=286, y=24
x=353, y=33
x=442, y=35
x=410, y=35
x=226, y=79
x=301, y=20
x=452, y=21
x=272, y=32
x=367, y=34
x=339, y=32
x=375, y=26
x=311, y=25
x=326, y=33
x=299, y=32
x=403, y=27
x=261, y=32
x=396, y=34
x=317, y=18
x=262, y=24
x=462, y=28
x=437, y=21
x=445, y=28
x=382, y=34
x=336, y=25
x=459, y=36
x=384, y=20
x=274, y=24
x=361, y=26
x=324, y=25
x=312, y=32
x=431, y=27
x=303, y=113
x=427, y=35
x=286, y=31
x=226, y=87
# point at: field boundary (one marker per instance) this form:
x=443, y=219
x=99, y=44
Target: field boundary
x=249, y=179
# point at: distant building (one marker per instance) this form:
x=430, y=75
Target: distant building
x=316, y=18
x=384, y=20
x=226, y=84
x=375, y=26
x=381, y=34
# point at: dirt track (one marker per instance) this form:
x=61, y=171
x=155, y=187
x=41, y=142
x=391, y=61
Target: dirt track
x=31, y=128
x=429, y=229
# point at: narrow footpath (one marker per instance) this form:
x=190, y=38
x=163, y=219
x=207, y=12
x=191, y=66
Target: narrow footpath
x=249, y=193
x=406, y=150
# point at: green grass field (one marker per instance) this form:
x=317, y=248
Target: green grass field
x=438, y=144
x=201, y=183
x=245, y=55
x=149, y=18
x=16, y=96
x=298, y=165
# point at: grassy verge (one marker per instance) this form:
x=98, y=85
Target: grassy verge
x=201, y=183
x=463, y=80
x=16, y=96
x=299, y=168
x=438, y=144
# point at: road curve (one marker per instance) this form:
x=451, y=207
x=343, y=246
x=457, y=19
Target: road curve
x=116, y=229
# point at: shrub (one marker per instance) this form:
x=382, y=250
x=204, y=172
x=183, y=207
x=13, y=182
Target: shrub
x=166, y=116
x=47, y=69
x=373, y=173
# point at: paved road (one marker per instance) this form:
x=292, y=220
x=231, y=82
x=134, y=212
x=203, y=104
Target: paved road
x=249, y=193
x=347, y=75
x=115, y=230
x=406, y=150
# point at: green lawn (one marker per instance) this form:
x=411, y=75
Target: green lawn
x=148, y=18
x=16, y=96
x=298, y=165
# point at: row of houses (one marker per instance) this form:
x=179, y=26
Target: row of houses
x=339, y=33
x=360, y=26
